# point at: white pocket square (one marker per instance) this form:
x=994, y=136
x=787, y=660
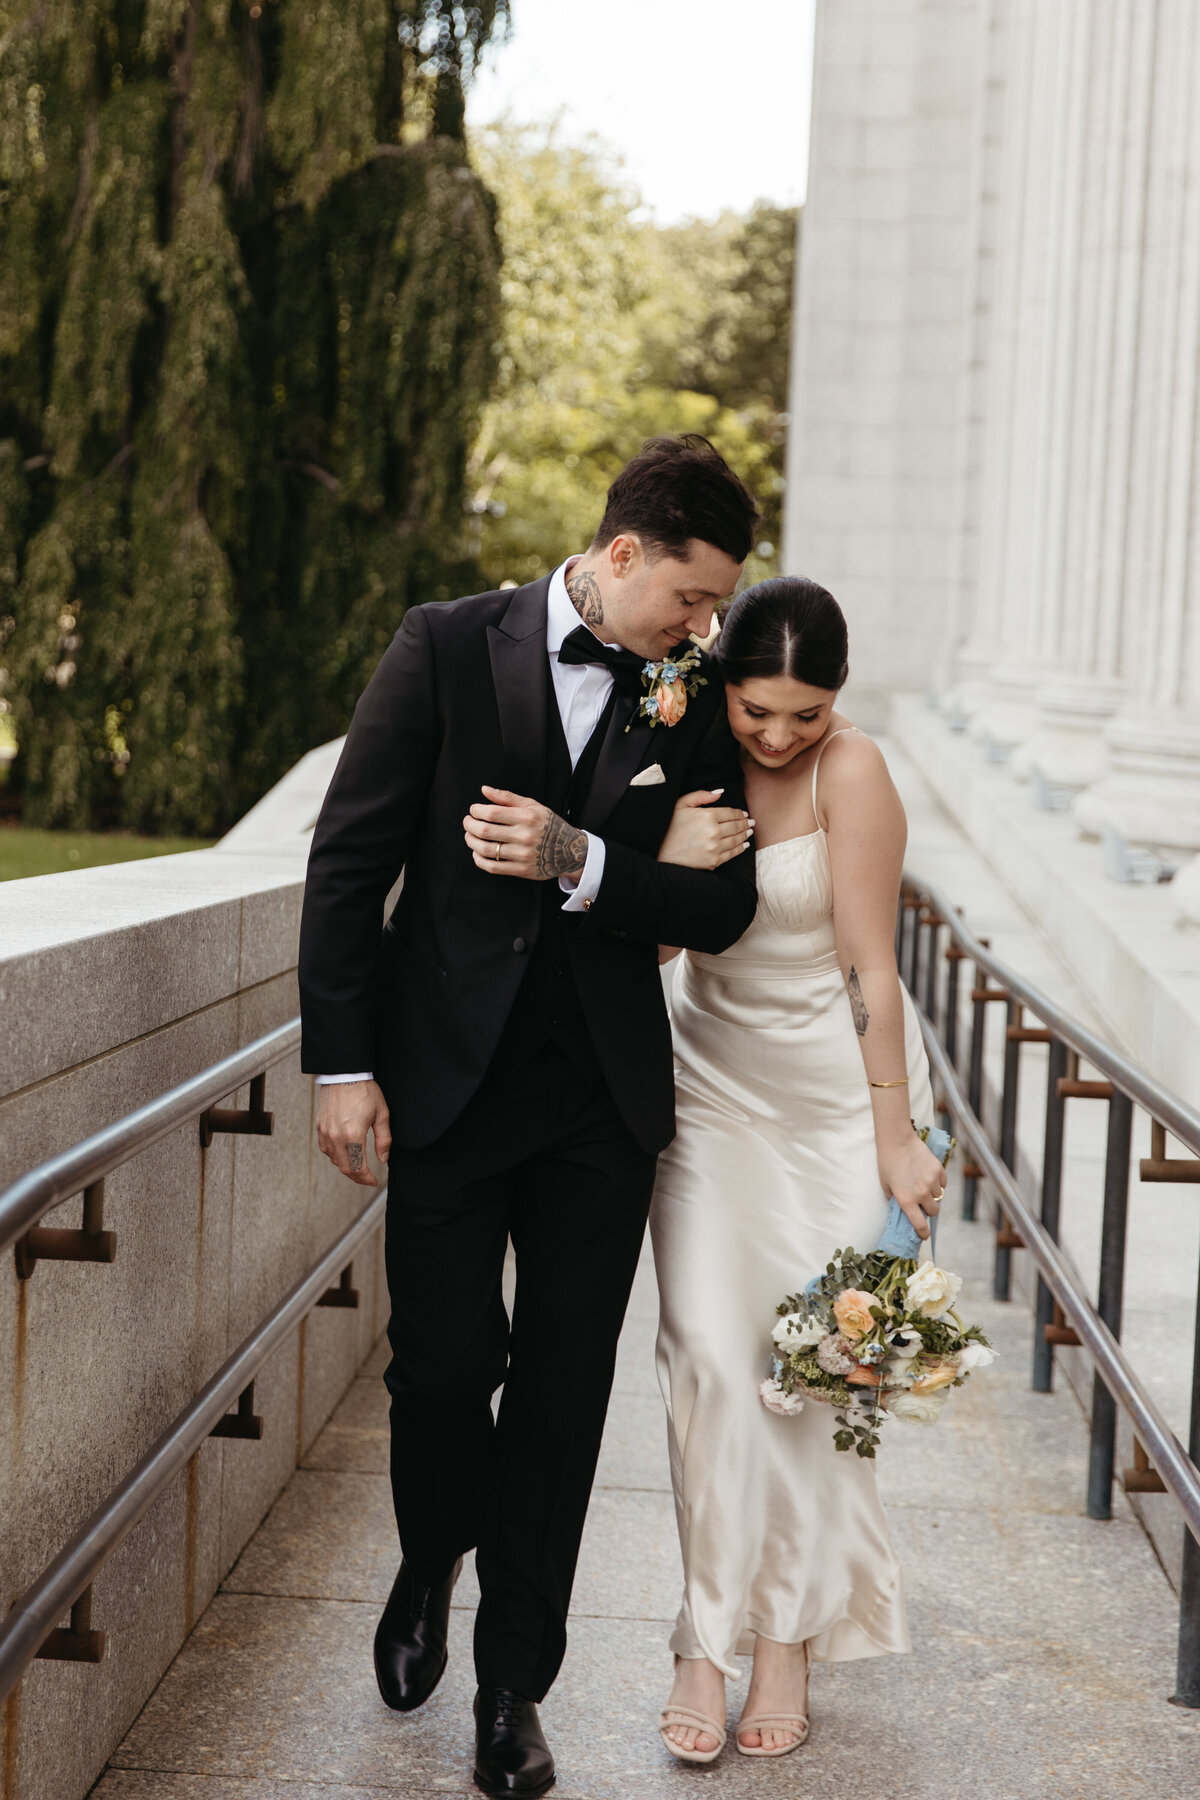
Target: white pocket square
x=648, y=777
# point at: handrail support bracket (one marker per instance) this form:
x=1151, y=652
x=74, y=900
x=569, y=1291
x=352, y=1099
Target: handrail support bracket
x=344, y=1294
x=244, y=1121
x=76, y=1642
x=47, y=1243
x=244, y=1423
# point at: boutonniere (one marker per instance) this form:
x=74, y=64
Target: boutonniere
x=669, y=686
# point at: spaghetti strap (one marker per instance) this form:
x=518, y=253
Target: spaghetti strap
x=817, y=764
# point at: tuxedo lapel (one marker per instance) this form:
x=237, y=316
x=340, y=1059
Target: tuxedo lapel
x=621, y=755
x=517, y=647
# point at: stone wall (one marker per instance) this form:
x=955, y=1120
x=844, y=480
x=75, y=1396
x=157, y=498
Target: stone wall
x=115, y=984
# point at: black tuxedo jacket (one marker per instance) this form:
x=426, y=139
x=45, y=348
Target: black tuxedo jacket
x=460, y=698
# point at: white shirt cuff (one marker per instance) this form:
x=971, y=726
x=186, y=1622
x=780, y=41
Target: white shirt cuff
x=329, y=1080
x=582, y=889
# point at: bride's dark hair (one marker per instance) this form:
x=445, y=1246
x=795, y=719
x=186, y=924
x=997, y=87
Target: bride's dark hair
x=786, y=626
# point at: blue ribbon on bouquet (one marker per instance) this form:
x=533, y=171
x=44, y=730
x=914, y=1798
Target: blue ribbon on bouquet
x=900, y=1236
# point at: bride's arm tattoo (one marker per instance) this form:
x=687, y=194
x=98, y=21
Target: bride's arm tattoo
x=562, y=849
x=858, y=1005
x=584, y=590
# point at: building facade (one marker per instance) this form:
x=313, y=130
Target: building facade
x=994, y=457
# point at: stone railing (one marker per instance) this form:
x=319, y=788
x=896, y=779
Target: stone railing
x=116, y=984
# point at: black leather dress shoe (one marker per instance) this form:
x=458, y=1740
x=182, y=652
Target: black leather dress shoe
x=511, y=1755
x=410, y=1639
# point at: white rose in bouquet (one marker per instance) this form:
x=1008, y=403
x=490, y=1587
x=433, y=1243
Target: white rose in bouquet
x=796, y=1331
x=776, y=1400
x=931, y=1291
x=974, y=1355
x=918, y=1409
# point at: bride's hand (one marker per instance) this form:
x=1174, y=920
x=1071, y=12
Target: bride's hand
x=912, y=1173
x=703, y=836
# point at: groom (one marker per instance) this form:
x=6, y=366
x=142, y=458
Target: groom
x=505, y=1037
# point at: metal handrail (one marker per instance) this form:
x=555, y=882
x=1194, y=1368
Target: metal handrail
x=24, y=1203
x=1162, y=1446
x=1182, y=1120
x=42, y=1605
x=35, y=1615
x=1064, y=1311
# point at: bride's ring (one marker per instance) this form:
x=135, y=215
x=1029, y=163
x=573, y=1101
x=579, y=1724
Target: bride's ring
x=498, y=856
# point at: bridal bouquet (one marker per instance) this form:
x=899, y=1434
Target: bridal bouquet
x=876, y=1336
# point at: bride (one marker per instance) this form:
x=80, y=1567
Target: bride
x=800, y=1072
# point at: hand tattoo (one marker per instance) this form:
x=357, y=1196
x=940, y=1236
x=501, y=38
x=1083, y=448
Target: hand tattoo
x=562, y=849
x=858, y=1005
x=354, y=1155
x=585, y=597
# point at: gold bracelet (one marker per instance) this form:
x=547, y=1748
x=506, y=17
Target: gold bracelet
x=903, y=1083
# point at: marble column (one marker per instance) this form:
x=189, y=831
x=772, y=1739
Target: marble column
x=997, y=613
x=1150, y=794
x=1085, y=664
x=1047, y=334
x=879, y=330
x=973, y=648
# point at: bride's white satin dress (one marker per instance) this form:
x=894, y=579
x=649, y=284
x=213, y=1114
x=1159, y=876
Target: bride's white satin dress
x=773, y=1168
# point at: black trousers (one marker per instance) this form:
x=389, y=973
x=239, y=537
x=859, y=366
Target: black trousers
x=542, y=1156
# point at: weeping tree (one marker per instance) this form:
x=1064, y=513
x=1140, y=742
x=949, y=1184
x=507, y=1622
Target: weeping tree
x=248, y=304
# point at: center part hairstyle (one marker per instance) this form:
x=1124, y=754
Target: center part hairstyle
x=786, y=626
x=676, y=489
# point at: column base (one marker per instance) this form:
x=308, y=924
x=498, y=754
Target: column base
x=1066, y=751
x=1007, y=716
x=970, y=685
x=1150, y=794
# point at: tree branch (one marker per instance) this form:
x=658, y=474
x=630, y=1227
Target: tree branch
x=314, y=471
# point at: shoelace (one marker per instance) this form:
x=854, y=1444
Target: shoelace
x=508, y=1706
x=419, y=1595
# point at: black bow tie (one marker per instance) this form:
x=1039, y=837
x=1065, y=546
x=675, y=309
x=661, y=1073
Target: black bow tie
x=625, y=666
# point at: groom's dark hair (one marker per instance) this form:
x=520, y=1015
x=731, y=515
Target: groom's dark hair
x=676, y=489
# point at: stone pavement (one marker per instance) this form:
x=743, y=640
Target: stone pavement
x=1045, y=1641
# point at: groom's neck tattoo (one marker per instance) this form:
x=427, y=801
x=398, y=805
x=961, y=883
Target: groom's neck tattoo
x=858, y=1005
x=584, y=591
x=562, y=850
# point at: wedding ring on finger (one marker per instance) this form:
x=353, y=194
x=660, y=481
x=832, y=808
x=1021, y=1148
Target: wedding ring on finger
x=496, y=853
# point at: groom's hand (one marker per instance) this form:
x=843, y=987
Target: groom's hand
x=346, y=1112
x=510, y=835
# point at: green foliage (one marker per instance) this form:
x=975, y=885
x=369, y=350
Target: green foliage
x=248, y=309
x=615, y=331
x=718, y=320
x=29, y=851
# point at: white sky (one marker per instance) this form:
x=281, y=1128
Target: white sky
x=706, y=104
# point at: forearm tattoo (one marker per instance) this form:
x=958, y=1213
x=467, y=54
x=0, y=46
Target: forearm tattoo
x=354, y=1155
x=858, y=1005
x=585, y=597
x=562, y=849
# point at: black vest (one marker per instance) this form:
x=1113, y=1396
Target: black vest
x=547, y=1008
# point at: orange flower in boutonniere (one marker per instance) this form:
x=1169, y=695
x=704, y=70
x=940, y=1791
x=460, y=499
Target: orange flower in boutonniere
x=669, y=685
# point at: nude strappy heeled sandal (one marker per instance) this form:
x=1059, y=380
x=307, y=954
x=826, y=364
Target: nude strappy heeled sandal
x=761, y=1722
x=683, y=1715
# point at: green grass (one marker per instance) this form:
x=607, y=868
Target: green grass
x=30, y=852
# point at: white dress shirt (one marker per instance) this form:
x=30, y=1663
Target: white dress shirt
x=581, y=690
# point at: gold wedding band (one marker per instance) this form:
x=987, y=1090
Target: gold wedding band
x=498, y=858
